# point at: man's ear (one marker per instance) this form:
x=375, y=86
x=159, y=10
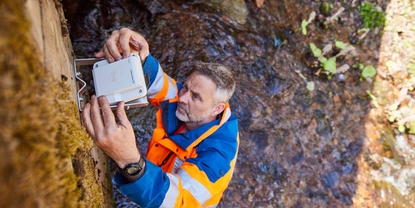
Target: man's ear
x=218, y=109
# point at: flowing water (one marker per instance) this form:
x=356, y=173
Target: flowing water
x=298, y=148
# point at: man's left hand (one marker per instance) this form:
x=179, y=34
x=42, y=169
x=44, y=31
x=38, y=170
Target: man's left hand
x=116, y=140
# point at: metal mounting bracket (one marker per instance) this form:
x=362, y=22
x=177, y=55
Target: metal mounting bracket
x=81, y=89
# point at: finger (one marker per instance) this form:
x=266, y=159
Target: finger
x=96, y=118
x=107, y=115
x=107, y=54
x=124, y=40
x=122, y=116
x=86, y=118
x=112, y=45
x=100, y=54
x=139, y=43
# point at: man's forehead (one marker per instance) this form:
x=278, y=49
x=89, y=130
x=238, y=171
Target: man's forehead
x=200, y=83
x=199, y=79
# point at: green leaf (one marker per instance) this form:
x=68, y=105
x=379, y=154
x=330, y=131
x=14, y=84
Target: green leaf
x=310, y=86
x=330, y=65
x=340, y=45
x=323, y=60
x=369, y=72
x=316, y=51
x=401, y=128
x=361, y=66
x=304, y=27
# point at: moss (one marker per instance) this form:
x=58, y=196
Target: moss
x=40, y=131
x=371, y=17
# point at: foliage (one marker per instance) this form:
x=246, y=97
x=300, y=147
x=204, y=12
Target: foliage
x=325, y=7
x=316, y=51
x=305, y=23
x=340, y=45
x=329, y=65
x=369, y=71
x=371, y=17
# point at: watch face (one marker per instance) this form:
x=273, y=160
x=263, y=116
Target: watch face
x=133, y=169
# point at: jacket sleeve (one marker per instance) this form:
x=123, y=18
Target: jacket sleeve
x=161, y=87
x=196, y=183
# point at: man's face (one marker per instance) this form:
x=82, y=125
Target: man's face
x=196, y=99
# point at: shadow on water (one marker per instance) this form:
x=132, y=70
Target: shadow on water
x=298, y=147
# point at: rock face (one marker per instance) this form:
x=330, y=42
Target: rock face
x=236, y=9
x=45, y=155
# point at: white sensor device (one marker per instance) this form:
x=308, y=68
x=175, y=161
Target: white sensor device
x=121, y=80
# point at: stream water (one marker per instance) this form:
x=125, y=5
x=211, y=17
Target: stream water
x=298, y=147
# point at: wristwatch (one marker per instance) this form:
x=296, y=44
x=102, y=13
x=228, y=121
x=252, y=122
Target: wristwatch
x=133, y=171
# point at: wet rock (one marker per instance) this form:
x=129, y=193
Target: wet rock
x=330, y=179
x=156, y=6
x=236, y=9
x=323, y=125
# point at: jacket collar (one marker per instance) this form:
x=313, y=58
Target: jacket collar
x=192, y=138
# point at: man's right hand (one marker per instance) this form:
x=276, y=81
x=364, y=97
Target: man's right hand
x=117, y=140
x=124, y=41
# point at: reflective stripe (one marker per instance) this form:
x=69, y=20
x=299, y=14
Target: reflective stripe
x=172, y=93
x=163, y=87
x=172, y=192
x=163, y=91
x=157, y=84
x=200, y=192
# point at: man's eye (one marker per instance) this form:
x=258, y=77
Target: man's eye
x=195, y=97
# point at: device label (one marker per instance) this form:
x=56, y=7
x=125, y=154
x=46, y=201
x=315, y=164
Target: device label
x=132, y=77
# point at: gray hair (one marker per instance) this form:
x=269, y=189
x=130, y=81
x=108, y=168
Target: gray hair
x=220, y=75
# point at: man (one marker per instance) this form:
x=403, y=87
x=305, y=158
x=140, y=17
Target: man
x=192, y=153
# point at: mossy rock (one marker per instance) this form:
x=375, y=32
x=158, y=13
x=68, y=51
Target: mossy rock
x=40, y=132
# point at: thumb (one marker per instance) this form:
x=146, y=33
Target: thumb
x=122, y=116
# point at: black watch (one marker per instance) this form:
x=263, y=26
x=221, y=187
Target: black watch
x=133, y=171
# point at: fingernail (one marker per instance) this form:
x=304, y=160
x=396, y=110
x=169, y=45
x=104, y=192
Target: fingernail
x=93, y=97
x=110, y=59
